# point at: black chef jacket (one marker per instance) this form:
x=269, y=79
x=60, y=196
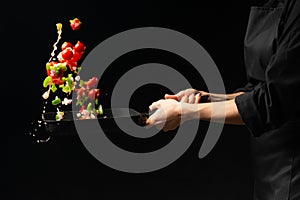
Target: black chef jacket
x=270, y=107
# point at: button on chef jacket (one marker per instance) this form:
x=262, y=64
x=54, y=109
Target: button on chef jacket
x=270, y=107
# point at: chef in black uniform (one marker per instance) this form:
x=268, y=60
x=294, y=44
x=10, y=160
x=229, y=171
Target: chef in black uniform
x=267, y=105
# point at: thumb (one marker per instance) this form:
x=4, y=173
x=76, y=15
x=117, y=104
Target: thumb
x=171, y=96
x=148, y=123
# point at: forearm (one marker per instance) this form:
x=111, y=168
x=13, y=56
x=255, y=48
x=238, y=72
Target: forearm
x=215, y=112
x=213, y=97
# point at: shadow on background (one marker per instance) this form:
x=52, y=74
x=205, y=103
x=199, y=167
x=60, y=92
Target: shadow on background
x=62, y=168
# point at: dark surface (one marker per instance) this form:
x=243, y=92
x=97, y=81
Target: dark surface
x=62, y=168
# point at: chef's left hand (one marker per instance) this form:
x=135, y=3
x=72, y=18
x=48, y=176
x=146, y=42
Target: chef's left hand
x=189, y=95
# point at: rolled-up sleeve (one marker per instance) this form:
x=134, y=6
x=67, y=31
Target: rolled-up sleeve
x=253, y=111
x=275, y=100
x=247, y=88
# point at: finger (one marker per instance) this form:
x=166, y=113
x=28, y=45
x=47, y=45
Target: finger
x=157, y=126
x=157, y=117
x=184, y=99
x=197, y=98
x=191, y=98
x=171, y=96
x=180, y=95
x=153, y=121
x=160, y=126
x=191, y=91
x=148, y=123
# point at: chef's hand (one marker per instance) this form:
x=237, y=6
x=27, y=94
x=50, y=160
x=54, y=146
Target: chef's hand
x=167, y=115
x=170, y=113
x=187, y=96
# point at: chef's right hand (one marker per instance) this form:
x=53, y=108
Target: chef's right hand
x=190, y=95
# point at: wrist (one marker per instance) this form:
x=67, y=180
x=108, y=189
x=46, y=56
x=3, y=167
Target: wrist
x=189, y=111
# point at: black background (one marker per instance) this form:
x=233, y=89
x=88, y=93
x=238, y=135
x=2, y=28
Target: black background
x=62, y=168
